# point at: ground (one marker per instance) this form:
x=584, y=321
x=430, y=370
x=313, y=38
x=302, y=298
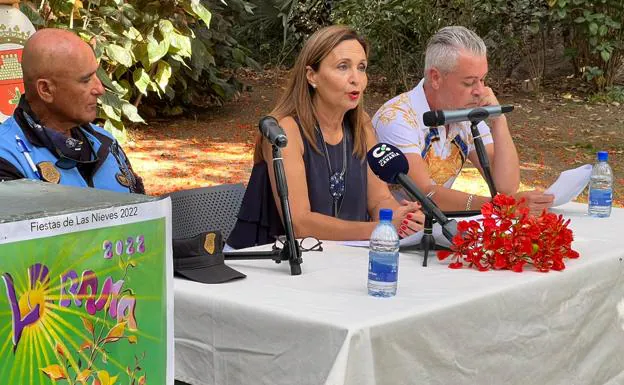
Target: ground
x=553, y=132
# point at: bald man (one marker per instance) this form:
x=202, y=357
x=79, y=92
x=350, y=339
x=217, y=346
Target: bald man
x=50, y=136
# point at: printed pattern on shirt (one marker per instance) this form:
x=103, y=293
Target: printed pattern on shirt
x=399, y=122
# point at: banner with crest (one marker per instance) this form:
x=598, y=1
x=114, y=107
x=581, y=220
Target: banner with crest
x=15, y=29
x=86, y=298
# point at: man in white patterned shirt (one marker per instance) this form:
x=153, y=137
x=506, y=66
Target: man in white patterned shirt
x=455, y=70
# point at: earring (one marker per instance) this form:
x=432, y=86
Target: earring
x=313, y=85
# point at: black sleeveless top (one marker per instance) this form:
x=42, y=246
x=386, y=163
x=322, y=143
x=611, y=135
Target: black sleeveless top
x=353, y=204
x=258, y=219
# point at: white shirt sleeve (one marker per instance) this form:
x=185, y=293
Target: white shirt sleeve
x=391, y=127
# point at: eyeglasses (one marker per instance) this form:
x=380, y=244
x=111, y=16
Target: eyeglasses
x=305, y=244
x=64, y=162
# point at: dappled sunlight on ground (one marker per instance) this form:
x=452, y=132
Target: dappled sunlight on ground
x=471, y=181
x=168, y=165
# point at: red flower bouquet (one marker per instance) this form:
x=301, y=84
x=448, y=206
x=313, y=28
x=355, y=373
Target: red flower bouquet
x=508, y=238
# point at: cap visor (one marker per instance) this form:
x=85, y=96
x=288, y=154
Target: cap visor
x=211, y=274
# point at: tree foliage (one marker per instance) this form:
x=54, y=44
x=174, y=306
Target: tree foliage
x=147, y=48
x=595, y=36
x=277, y=29
x=398, y=31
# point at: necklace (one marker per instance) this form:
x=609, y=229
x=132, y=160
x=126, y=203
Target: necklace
x=337, y=186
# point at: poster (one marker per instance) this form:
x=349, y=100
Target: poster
x=86, y=298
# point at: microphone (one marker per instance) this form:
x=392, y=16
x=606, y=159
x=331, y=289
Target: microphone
x=391, y=166
x=272, y=131
x=474, y=115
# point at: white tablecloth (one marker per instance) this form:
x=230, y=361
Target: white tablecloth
x=444, y=326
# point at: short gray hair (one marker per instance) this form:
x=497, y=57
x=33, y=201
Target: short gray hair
x=443, y=48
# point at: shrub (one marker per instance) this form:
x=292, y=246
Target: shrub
x=148, y=47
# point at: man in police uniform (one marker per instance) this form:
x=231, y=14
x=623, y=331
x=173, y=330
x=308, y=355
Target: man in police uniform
x=50, y=136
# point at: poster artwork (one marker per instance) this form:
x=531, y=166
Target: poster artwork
x=84, y=307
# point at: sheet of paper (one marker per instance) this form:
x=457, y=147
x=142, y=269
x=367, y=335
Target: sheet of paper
x=570, y=184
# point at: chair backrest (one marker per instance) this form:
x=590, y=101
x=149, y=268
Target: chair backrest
x=203, y=209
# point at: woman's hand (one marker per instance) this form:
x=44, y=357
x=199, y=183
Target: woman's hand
x=408, y=218
x=536, y=201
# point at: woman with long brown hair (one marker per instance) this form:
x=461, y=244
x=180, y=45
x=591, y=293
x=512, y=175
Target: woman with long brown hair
x=333, y=194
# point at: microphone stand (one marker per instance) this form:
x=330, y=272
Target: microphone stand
x=291, y=251
x=431, y=210
x=483, y=158
x=428, y=242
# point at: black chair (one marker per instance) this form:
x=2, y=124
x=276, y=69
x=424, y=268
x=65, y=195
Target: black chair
x=203, y=209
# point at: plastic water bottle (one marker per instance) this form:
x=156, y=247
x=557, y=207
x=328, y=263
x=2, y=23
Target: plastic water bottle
x=601, y=187
x=383, y=257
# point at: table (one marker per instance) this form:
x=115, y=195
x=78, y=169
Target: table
x=444, y=326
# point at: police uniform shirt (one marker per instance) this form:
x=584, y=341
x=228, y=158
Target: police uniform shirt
x=76, y=147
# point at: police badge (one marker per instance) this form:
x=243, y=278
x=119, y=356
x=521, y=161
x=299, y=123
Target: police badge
x=48, y=172
x=122, y=179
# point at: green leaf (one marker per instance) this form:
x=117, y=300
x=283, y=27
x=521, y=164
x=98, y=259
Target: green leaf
x=163, y=73
x=110, y=112
x=103, y=76
x=114, y=127
x=119, y=54
x=238, y=55
x=111, y=99
x=141, y=80
x=253, y=64
x=534, y=28
x=218, y=89
x=133, y=34
x=153, y=86
x=130, y=112
x=166, y=28
x=32, y=15
x=156, y=50
x=128, y=90
x=602, y=31
x=120, y=71
x=181, y=43
x=181, y=60
x=605, y=55
x=201, y=11
x=201, y=57
x=593, y=28
x=140, y=52
x=579, y=20
x=98, y=49
x=119, y=89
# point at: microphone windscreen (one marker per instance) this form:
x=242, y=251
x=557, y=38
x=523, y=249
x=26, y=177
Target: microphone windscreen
x=433, y=118
x=387, y=161
x=505, y=108
x=267, y=124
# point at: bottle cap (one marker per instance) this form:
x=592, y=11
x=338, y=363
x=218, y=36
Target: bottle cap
x=603, y=156
x=385, y=214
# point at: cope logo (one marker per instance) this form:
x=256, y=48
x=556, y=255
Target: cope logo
x=381, y=151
